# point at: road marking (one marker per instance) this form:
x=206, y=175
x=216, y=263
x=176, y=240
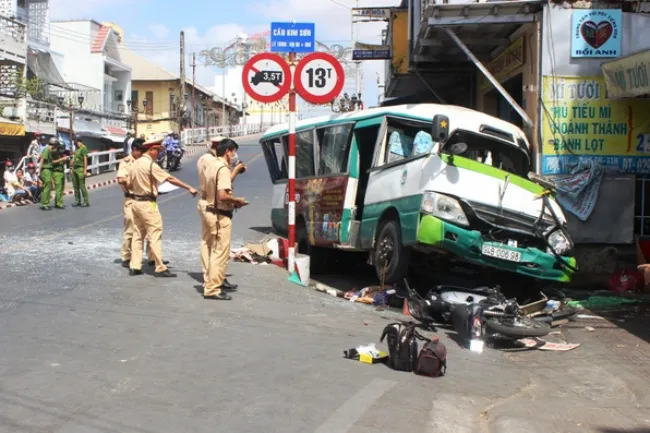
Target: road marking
x=22, y=246
x=353, y=409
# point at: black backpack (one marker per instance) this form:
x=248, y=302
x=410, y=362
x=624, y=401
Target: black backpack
x=402, y=346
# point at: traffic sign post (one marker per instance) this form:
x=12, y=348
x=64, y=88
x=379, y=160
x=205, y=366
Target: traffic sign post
x=291, y=183
x=266, y=78
x=293, y=38
x=319, y=78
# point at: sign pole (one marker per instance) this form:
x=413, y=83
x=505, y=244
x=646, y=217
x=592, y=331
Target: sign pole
x=291, y=265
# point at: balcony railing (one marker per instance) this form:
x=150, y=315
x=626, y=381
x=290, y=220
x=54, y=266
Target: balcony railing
x=13, y=42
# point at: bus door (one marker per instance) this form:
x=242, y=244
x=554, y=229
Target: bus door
x=276, y=163
x=322, y=182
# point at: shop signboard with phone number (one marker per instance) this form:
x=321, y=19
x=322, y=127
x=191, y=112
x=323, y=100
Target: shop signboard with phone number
x=580, y=122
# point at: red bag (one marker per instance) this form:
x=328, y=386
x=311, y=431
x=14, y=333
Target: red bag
x=627, y=279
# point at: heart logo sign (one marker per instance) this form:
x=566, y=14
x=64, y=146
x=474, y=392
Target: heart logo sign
x=596, y=35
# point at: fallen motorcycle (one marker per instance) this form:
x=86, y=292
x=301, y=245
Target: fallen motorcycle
x=480, y=313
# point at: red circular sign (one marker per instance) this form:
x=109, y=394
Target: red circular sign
x=266, y=77
x=319, y=78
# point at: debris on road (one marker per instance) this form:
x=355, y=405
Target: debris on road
x=367, y=354
x=602, y=302
x=538, y=343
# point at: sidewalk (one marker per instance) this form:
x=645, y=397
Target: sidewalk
x=101, y=180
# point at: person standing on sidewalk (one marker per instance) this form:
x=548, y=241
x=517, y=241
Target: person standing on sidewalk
x=46, y=171
x=79, y=173
x=58, y=174
x=137, y=149
x=143, y=179
x=218, y=215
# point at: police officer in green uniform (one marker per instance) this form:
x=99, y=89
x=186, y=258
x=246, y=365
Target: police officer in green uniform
x=79, y=171
x=47, y=166
x=59, y=159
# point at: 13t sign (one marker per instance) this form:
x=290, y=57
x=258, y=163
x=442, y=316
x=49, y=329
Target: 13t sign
x=319, y=78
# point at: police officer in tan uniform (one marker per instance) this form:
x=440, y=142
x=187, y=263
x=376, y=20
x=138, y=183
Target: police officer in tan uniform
x=143, y=179
x=218, y=216
x=209, y=158
x=137, y=149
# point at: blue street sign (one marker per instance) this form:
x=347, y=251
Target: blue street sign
x=293, y=37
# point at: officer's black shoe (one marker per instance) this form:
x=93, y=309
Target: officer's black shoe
x=45, y=208
x=134, y=272
x=228, y=286
x=151, y=262
x=219, y=297
x=85, y=205
x=59, y=207
x=76, y=204
x=165, y=274
x=126, y=263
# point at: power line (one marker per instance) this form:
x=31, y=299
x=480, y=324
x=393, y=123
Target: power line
x=341, y=4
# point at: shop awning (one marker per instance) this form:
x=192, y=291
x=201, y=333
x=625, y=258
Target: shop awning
x=628, y=77
x=457, y=32
x=12, y=129
x=42, y=65
x=115, y=134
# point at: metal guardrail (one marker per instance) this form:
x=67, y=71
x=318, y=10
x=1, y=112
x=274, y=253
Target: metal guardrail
x=200, y=135
x=97, y=160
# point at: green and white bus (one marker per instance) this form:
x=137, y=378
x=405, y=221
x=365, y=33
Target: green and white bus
x=444, y=181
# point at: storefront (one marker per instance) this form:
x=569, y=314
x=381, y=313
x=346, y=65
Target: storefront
x=12, y=135
x=593, y=118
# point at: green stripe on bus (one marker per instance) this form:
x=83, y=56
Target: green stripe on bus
x=477, y=167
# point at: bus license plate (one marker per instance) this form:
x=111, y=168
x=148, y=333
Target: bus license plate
x=501, y=253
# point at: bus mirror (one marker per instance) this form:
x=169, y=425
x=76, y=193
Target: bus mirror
x=440, y=128
x=456, y=148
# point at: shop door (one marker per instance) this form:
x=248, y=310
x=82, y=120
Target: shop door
x=514, y=87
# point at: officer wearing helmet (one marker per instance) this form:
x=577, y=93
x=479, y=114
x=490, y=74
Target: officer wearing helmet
x=52, y=168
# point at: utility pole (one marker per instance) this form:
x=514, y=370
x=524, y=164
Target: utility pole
x=182, y=96
x=193, y=94
x=223, y=100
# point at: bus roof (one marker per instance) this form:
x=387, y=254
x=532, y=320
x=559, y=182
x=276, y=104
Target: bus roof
x=457, y=115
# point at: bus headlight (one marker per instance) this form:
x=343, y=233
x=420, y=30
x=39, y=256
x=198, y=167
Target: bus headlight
x=559, y=242
x=444, y=207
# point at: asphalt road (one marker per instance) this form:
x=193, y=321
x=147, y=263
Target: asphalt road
x=86, y=348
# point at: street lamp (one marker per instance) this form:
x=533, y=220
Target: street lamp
x=61, y=100
x=134, y=117
x=80, y=98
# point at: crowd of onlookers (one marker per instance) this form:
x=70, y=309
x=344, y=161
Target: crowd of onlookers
x=23, y=186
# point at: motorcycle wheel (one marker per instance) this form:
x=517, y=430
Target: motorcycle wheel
x=519, y=328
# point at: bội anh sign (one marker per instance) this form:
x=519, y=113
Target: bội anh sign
x=578, y=121
x=12, y=129
x=504, y=64
x=596, y=32
x=629, y=76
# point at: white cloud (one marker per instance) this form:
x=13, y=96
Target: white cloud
x=82, y=9
x=160, y=31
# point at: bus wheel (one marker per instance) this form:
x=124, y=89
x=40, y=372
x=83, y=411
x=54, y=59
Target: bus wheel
x=319, y=258
x=390, y=257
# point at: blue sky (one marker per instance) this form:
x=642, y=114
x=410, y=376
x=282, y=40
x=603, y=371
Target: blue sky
x=152, y=27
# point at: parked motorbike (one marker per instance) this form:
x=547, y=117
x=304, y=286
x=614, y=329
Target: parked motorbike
x=174, y=159
x=476, y=314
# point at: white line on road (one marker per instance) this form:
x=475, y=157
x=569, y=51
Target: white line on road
x=353, y=409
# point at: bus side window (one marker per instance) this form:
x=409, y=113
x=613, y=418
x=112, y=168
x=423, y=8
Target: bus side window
x=305, y=154
x=333, y=143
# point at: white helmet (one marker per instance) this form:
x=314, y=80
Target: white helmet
x=170, y=132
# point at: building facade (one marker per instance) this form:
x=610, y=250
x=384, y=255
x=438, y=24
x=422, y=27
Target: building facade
x=156, y=105
x=560, y=71
x=28, y=76
x=98, y=82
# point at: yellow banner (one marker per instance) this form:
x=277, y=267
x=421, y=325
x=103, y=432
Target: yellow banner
x=11, y=129
x=504, y=64
x=578, y=120
x=629, y=76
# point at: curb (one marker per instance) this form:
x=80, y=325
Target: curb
x=189, y=151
